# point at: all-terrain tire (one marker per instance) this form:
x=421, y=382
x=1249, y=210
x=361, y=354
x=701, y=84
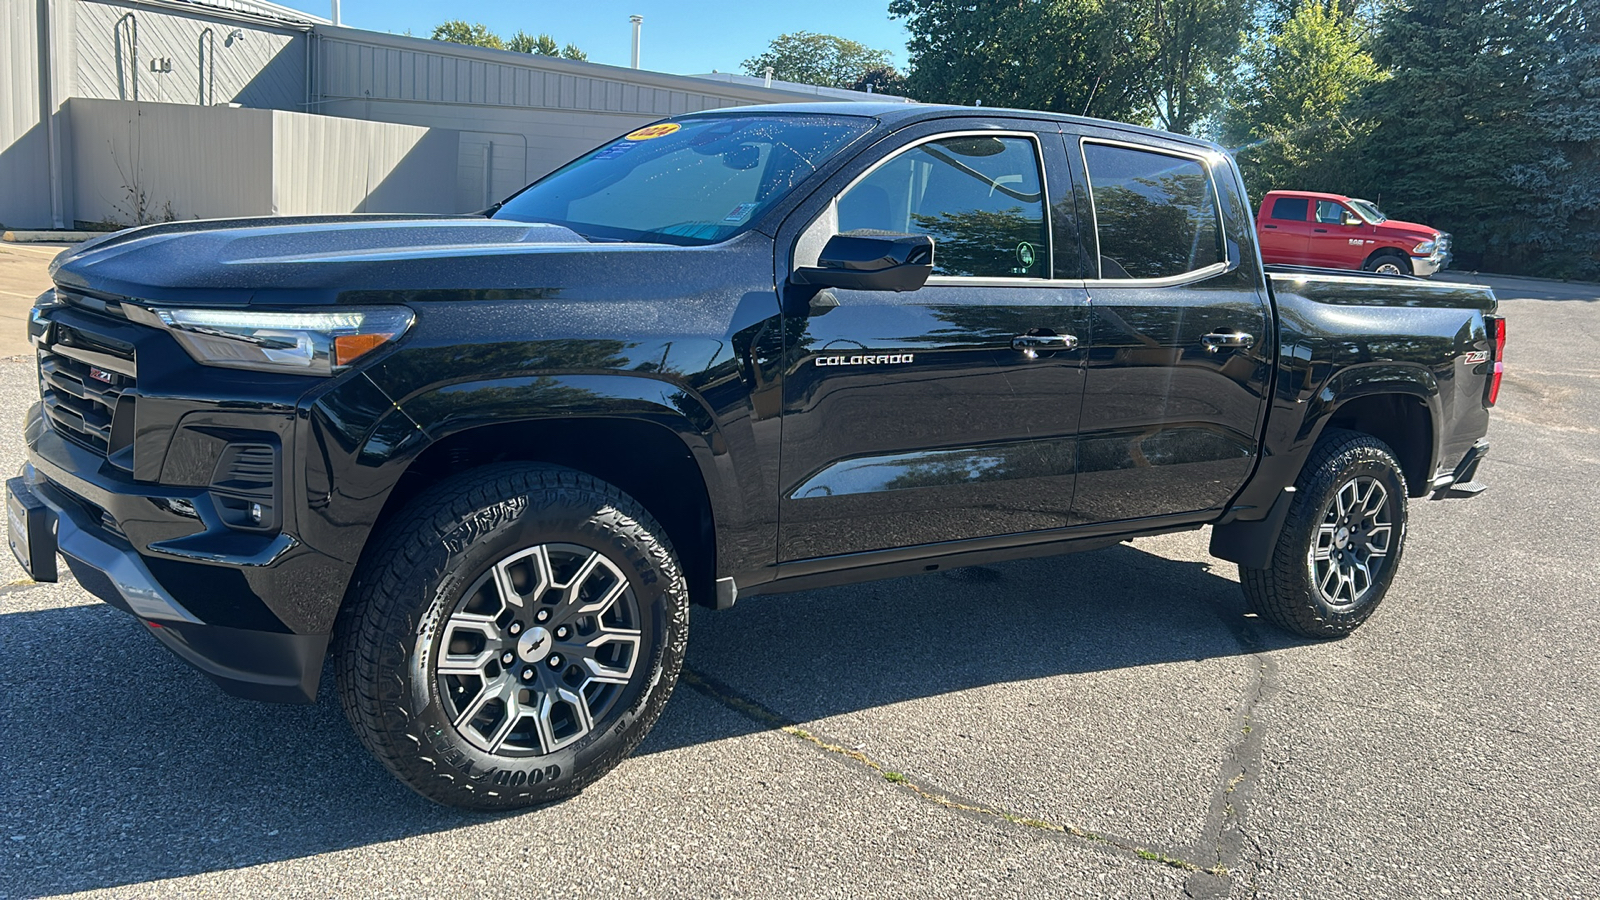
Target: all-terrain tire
x=470, y=574
x=1304, y=588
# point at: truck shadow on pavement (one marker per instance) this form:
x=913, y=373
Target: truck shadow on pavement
x=119, y=765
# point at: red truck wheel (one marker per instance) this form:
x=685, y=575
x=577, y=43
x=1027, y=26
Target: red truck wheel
x=1389, y=264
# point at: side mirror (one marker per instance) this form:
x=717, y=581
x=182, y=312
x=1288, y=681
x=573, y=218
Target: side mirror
x=871, y=262
x=1350, y=219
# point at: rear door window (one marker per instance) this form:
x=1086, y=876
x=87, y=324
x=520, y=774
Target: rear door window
x=1290, y=209
x=980, y=198
x=1155, y=212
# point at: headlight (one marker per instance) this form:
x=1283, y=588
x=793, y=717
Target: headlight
x=1422, y=249
x=305, y=343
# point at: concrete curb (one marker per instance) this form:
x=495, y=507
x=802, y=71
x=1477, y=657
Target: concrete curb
x=44, y=237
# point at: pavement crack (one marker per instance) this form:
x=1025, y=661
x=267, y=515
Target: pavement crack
x=726, y=696
x=1224, y=830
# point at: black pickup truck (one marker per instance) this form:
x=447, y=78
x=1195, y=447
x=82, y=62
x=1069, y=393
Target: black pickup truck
x=486, y=462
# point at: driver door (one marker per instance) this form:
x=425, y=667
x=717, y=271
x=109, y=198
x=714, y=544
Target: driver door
x=923, y=417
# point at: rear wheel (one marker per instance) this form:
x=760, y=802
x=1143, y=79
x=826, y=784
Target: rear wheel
x=513, y=637
x=1341, y=543
x=1389, y=264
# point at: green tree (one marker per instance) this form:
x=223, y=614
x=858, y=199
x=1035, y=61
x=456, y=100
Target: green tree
x=1457, y=119
x=477, y=34
x=1564, y=231
x=523, y=42
x=820, y=59
x=458, y=31
x=1194, y=45
x=1290, y=114
x=542, y=45
x=1038, y=55
x=1148, y=61
x=882, y=80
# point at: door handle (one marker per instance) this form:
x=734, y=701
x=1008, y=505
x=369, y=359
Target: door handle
x=1320, y=230
x=1269, y=226
x=1032, y=344
x=1219, y=339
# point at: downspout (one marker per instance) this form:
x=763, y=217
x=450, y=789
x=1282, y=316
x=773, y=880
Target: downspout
x=47, y=112
x=132, y=30
x=208, y=66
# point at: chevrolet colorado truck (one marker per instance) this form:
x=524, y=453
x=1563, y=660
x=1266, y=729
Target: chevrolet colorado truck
x=1333, y=231
x=484, y=463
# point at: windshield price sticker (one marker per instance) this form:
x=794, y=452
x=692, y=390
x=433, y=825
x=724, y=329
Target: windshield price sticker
x=651, y=132
x=615, y=150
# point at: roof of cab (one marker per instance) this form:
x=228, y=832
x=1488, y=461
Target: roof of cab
x=900, y=114
x=1313, y=195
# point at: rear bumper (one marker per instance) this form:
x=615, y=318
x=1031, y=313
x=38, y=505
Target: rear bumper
x=1459, y=482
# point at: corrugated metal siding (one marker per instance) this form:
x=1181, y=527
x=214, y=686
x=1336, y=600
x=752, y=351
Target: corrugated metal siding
x=357, y=68
x=323, y=164
x=188, y=162
x=24, y=147
x=213, y=60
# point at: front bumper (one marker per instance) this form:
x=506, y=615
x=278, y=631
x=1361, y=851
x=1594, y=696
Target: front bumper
x=1426, y=266
x=190, y=595
x=259, y=665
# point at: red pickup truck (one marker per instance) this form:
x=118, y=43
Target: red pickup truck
x=1303, y=228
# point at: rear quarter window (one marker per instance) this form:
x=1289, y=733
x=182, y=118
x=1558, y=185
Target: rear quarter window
x=1290, y=209
x=1155, y=212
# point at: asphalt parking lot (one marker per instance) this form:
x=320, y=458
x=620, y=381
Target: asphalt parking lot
x=1110, y=724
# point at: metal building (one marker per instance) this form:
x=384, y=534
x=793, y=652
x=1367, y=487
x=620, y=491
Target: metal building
x=124, y=111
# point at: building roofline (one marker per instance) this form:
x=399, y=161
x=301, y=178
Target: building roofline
x=664, y=80
x=255, y=12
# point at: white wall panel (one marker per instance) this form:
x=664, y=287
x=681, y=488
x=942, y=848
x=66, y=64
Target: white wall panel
x=155, y=161
x=324, y=164
x=24, y=145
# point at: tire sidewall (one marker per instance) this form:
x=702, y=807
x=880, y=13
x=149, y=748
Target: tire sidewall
x=465, y=552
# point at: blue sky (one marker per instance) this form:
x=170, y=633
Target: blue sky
x=682, y=36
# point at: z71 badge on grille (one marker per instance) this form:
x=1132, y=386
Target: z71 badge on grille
x=102, y=375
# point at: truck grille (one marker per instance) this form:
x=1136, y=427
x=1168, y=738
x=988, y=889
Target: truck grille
x=86, y=387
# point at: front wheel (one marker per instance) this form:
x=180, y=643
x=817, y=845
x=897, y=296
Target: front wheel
x=1389, y=264
x=512, y=637
x=1341, y=542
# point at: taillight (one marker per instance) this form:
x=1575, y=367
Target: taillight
x=1497, y=338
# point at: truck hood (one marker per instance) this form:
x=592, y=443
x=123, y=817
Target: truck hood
x=324, y=259
x=1399, y=229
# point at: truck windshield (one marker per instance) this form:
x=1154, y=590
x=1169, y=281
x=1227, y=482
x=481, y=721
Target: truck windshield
x=696, y=180
x=1369, y=211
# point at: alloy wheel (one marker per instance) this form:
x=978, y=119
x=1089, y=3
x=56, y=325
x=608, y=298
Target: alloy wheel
x=1353, y=542
x=538, y=650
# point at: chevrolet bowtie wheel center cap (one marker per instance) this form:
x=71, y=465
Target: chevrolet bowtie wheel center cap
x=534, y=644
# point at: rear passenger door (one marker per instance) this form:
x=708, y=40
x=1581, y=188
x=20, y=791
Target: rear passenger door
x=1179, y=357
x=1285, y=233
